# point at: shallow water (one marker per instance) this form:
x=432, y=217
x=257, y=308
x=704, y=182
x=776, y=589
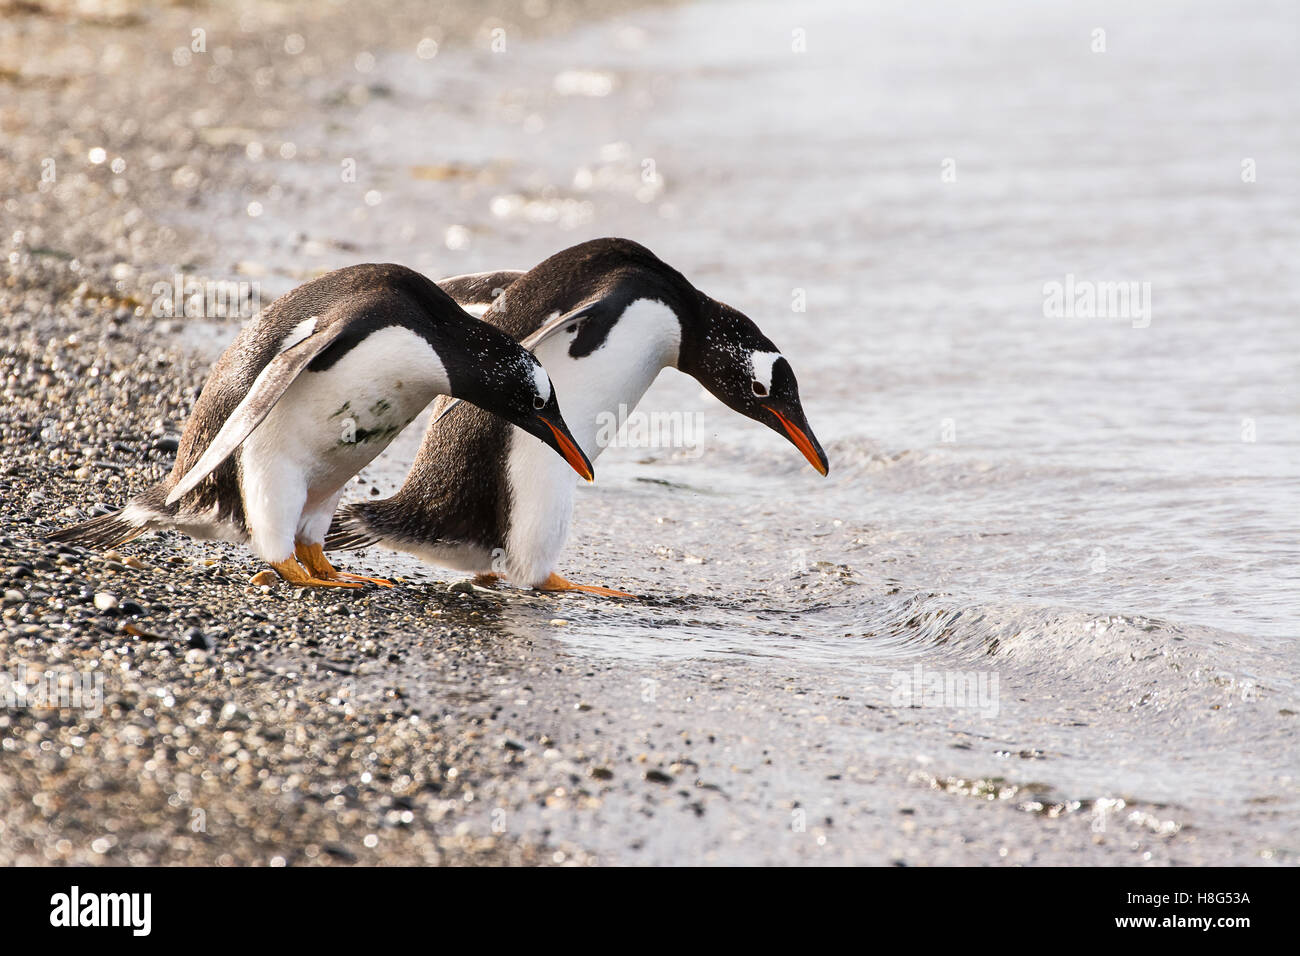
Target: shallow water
x=1101, y=511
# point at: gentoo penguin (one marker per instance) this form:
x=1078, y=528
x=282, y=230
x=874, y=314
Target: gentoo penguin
x=604, y=317
x=311, y=390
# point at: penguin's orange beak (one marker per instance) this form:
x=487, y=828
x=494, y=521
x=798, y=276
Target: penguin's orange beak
x=567, y=447
x=801, y=437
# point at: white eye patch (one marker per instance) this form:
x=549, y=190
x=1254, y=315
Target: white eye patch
x=543, y=382
x=761, y=363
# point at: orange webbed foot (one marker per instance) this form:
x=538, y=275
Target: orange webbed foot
x=554, y=582
x=294, y=573
x=312, y=557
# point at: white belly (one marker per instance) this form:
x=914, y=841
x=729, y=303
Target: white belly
x=329, y=425
x=462, y=556
x=642, y=342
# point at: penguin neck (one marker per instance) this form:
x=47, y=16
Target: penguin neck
x=611, y=380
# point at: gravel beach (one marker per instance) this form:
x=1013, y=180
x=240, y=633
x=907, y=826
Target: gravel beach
x=231, y=730
x=230, y=723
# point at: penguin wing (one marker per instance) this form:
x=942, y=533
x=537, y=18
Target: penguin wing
x=302, y=345
x=531, y=342
x=559, y=322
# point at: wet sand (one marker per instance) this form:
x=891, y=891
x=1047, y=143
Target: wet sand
x=439, y=723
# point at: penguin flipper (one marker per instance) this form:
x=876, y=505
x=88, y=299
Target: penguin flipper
x=267, y=389
x=559, y=322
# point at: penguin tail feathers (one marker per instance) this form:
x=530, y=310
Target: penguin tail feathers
x=106, y=531
x=351, y=530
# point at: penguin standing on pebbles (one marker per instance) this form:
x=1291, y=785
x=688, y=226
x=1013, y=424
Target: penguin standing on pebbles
x=604, y=317
x=308, y=394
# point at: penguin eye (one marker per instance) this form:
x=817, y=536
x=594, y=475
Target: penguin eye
x=759, y=388
x=538, y=402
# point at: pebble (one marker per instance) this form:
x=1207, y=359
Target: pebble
x=264, y=578
x=105, y=601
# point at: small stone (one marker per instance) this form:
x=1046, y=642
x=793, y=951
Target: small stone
x=340, y=852
x=657, y=776
x=602, y=773
x=558, y=622
x=264, y=578
x=140, y=632
x=13, y=596
x=105, y=601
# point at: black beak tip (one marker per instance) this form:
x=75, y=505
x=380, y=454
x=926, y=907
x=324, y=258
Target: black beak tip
x=794, y=426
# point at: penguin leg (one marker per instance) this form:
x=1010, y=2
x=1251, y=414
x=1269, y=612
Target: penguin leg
x=554, y=582
x=312, y=557
x=293, y=572
x=274, y=497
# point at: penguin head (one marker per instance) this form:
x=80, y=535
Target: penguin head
x=734, y=360
x=487, y=368
x=588, y=289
